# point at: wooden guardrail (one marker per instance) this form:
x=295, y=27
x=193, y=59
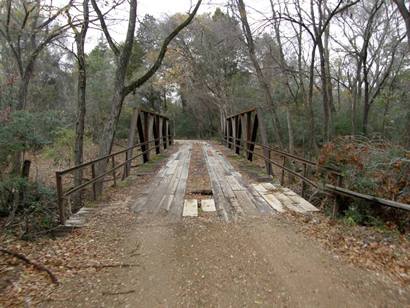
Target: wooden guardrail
x=334, y=188
x=125, y=165
x=151, y=128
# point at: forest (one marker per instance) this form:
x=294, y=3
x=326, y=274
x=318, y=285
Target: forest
x=331, y=76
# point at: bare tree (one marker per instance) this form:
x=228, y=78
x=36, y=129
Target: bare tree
x=240, y=5
x=405, y=13
x=27, y=32
x=123, y=54
x=79, y=37
x=316, y=23
x=373, y=45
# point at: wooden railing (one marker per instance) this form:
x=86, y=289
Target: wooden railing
x=125, y=164
x=335, y=189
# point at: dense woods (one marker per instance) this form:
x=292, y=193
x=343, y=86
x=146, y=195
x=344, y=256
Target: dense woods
x=319, y=69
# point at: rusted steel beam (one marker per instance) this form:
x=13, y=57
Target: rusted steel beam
x=166, y=141
x=131, y=139
x=153, y=113
x=243, y=112
x=160, y=123
x=141, y=136
x=264, y=140
x=251, y=144
x=156, y=133
x=230, y=131
x=238, y=134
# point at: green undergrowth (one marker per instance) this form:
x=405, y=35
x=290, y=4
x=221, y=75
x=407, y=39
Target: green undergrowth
x=152, y=163
x=27, y=208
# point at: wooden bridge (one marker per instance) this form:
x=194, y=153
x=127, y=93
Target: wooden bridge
x=200, y=225
x=231, y=195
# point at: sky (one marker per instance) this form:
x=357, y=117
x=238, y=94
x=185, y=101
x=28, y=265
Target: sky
x=161, y=9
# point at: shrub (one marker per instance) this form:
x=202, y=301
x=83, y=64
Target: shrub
x=23, y=131
x=373, y=167
x=30, y=206
x=62, y=149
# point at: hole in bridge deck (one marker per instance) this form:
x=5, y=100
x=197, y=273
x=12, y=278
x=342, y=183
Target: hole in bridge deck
x=202, y=192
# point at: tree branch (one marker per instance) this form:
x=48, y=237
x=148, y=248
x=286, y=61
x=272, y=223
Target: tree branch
x=140, y=81
x=38, y=266
x=104, y=27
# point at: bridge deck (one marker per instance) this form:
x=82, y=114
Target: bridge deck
x=234, y=197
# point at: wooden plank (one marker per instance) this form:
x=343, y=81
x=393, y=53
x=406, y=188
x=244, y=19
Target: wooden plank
x=151, y=200
x=221, y=203
x=231, y=180
x=190, y=208
x=289, y=203
x=157, y=197
x=208, y=205
x=258, y=197
x=246, y=203
x=171, y=168
x=274, y=202
x=177, y=203
x=260, y=188
x=269, y=186
x=236, y=208
x=299, y=200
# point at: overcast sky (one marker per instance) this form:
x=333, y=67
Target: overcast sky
x=163, y=8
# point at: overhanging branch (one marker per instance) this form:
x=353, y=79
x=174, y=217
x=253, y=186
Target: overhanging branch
x=140, y=81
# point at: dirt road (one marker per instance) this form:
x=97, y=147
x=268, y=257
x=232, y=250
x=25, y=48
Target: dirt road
x=206, y=262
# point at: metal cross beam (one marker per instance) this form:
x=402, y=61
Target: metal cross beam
x=241, y=131
x=150, y=126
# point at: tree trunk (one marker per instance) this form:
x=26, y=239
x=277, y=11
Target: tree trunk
x=366, y=102
x=356, y=95
x=309, y=105
x=325, y=93
x=405, y=13
x=79, y=127
x=290, y=130
x=23, y=91
x=123, y=55
x=81, y=100
x=261, y=78
x=108, y=134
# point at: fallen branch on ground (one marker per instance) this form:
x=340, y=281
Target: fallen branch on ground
x=118, y=293
x=28, y=261
x=100, y=266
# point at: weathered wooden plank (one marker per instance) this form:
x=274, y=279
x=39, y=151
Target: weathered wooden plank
x=190, y=208
x=246, y=203
x=289, y=203
x=238, y=211
x=233, y=182
x=171, y=168
x=260, y=188
x=274, y=202
x=269, y=186
x=163, y=188
x=299, y=200
x=208, y=205
x=177, y=202
x=221, y=202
